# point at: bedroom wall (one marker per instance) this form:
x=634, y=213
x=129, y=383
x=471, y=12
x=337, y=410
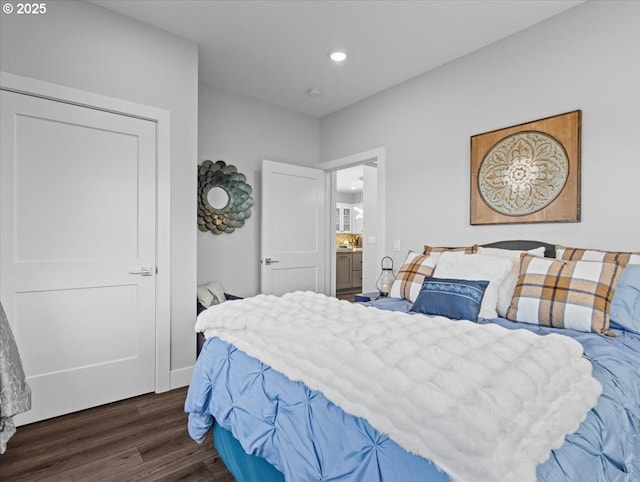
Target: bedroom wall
x=83, y=46
x=243, y=131
x=586, y=58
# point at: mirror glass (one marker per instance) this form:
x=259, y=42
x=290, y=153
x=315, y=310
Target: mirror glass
x=218, y=197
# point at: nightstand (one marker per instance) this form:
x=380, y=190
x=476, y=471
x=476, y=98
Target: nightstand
x=364, y=297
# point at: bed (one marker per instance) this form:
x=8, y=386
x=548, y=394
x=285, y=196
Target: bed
x=280, y=409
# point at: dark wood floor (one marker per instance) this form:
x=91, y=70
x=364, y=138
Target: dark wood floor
x=347, y=295
x=143, y=438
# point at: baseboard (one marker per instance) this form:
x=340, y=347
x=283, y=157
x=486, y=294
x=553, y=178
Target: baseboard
x=180, y=377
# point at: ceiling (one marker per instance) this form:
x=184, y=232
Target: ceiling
x=350, y=180
x=276, y=50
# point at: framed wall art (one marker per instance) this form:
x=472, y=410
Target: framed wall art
x=528, y=173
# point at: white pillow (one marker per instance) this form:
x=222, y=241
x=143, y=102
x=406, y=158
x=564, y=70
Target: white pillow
x=511, y=253
x=506, y=289
x=211, y=294
x=494, y=269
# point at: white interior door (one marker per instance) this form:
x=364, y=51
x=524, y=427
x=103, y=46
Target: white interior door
x=293, y=228
x=77, y=251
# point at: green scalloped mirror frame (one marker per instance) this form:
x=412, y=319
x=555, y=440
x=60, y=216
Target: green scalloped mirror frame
x=224, y=198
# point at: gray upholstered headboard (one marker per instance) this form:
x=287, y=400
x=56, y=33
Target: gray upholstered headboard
x=549, y=249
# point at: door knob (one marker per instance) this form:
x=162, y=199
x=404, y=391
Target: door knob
x=269, y=261
x=144, y=271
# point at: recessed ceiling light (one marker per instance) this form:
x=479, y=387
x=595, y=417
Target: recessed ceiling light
x=337, y=56
x=313, y=92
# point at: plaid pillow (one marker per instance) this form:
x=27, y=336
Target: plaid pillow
x=619, y=257
x=411, y=275
x=564, y=294
x=436, y=251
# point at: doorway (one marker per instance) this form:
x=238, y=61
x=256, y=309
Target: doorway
x=369, y=244
x=353, y=185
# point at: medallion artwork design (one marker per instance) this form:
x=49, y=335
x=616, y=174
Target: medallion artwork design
x=224, y=198
x=523, y=173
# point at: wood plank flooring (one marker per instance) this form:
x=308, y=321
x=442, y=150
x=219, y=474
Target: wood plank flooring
x=141, y=439
x=347, y=295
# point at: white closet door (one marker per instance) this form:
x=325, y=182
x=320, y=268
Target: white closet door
x=77, y=219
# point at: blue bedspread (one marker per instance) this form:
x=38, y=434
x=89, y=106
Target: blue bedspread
x=308, y=438
x=606, y=446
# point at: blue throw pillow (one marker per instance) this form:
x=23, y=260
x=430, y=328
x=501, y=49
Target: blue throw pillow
x=625, y=306
x=454, y=298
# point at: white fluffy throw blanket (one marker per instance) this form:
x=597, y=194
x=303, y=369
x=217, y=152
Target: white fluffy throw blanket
x=483, y=402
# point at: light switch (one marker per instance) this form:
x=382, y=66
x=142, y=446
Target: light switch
x=371, y=239
x=396, y=245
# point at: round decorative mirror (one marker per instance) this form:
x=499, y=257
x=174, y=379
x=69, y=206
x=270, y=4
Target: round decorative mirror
x=224, y=198
x=218, y=197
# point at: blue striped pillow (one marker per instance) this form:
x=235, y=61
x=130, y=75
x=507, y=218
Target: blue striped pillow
x=454, y=298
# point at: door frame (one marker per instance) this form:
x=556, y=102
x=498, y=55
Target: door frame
x=379, y=155
x=162, y=120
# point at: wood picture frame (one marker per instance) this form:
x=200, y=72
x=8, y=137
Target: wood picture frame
x=527, y=173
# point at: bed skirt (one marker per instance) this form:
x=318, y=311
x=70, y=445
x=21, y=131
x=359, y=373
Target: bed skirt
x=243, y=466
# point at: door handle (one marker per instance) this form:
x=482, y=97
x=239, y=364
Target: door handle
x=144, y=271
x=268, y=261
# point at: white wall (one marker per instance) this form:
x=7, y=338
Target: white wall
x=347, y=197
x=587, y=58
x=86, y=47
x=242, y=131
